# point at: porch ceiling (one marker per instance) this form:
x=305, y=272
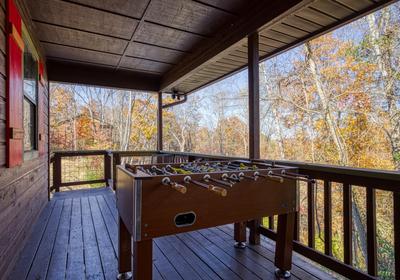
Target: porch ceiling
x=176, y=44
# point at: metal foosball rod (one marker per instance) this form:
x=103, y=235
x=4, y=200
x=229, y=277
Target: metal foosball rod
x=253, y=178
x=175, y=170
x=217, y=190
x=160, y=171
x=297, y=177
x=166, y=181
x=207, y=178
x=232, y=177
x=148, y=172
x=271, y=176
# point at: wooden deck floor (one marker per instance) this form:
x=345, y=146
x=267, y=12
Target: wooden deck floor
x=76, y=238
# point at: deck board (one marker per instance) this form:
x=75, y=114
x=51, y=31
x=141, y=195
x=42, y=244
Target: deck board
x=76, y=237
x=41, y=261
x=93, y=265
x=27, y=256
x=58, y=261
x=76, y=265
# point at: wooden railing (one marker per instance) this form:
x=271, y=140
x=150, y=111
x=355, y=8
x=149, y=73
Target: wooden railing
x=326, y=176
x=370, y=180
x=77, y=168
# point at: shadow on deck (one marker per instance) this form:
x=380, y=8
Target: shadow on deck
x=76, y=238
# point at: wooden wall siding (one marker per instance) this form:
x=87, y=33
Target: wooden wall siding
x=23, y=189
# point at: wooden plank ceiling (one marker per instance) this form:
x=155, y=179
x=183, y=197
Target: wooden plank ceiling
x=181, y=44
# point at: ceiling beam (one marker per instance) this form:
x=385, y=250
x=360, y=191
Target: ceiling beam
x=261, y=14
x=77, y=73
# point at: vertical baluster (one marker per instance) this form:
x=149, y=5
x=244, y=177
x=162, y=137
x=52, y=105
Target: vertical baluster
x=371, y=232
x=57, y=169
x=328, y=217
x=271, y=222
x=347, y=224
x=107, y=168
x=296, y=226
x=396, y=219
x=311, y=213
x=116, y=161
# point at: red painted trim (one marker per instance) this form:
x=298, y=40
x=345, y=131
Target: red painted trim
x=14, y=91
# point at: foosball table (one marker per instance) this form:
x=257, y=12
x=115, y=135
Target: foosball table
x=156, y=200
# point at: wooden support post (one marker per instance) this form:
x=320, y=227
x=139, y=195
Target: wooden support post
x=159, y=123
x=254, y=116
x=124, y=250
x=284, y=243
x=254, y=96
x=143, y=260
x=107, y=168
x=57, y=172
x=239, y=234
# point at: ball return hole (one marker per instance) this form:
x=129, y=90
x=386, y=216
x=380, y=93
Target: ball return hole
x=185, y=219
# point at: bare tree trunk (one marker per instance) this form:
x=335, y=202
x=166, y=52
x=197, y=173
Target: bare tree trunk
x=333, y=130
x=128, y=124
x=281, y=144
x=309, y=129
x=329, y=120
x=383, y=57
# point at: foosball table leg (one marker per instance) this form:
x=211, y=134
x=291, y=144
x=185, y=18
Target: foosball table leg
x=240, y=235
x=124, y=252
x=254, y=237
x=143, y=260
x=284, y=245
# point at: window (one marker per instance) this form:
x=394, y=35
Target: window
x=30, y=86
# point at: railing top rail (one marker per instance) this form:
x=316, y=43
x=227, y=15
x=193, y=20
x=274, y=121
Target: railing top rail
x=80, y=153
x=388, y=180
x=355, y=171
x=203, y=155
x=380, y=179
x=135, y=153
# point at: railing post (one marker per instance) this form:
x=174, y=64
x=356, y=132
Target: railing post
x=311, y=213
x=107, y=168
x=116, y=161
x=57, y=172
x=371, y=232
x=347, y=224
x=328, y=217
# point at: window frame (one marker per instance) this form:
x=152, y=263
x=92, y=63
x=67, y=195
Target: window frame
x=33, y=153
